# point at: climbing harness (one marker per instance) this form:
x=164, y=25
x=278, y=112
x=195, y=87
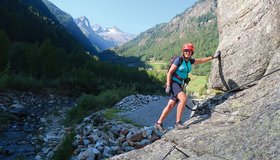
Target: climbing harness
x=192, y=109
x=189, y=108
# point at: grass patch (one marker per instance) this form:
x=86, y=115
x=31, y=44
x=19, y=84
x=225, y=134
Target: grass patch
x=87, y=104
x=65, y=150
x=158, y=66
x=197, y=85
x=112, y=114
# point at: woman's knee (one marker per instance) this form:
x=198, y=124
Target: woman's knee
x=170, y=105
x=182, y=97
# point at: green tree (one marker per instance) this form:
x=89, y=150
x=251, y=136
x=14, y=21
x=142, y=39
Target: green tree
x=4, y=47
x=52, y=59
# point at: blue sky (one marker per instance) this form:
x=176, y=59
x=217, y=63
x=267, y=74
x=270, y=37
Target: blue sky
x=132, y=16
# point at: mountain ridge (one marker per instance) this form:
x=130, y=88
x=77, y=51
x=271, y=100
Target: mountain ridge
x=112, y=36
x=115, y=34
x=85, y=26
x=68, y=22
x=197, y=24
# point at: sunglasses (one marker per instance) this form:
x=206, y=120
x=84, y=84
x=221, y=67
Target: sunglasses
x=187, y=50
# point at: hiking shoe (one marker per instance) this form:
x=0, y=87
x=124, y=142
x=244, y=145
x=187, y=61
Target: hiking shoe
x=180, y=126
x=159, y=127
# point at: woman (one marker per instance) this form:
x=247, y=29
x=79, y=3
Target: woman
x=176, y=75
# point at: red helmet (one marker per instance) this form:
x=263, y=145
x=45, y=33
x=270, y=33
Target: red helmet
x=189, y=46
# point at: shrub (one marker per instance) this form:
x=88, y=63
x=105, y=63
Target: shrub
x=22, y=82
x=87, y=104
x=65, y=150
x=4, y=81
x=4, y=119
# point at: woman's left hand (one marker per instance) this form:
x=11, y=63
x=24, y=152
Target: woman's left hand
x=217, y=54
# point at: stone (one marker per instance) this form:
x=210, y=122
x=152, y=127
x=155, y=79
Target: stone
x=43, y=120
x=121, y=139
x=50, y=154
x=142, y=144
x=154, y=137
x=89, y=154
x=99, y=143
x=147, y=132
x=95, y=151
x=125, y=144
x=114, y=149
x=124, y=131
x=134, y=102
x=86, y=142
x=15, y=101
x=128, y=148
x=129, y=135
x=51, y=137
x=76, y=152
x=22, y=112
x=107, y=151
x=38, y=157
x=130, y=143
x=136, y=137
x=86, y=119
x=41, y=130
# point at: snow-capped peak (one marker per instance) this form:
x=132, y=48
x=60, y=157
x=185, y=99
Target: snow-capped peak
x=97, y=28
x=116, y=35
x=115, y=29
x=113, y=34
x=83, y=20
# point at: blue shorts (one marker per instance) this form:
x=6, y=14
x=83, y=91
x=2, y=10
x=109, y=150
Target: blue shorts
x=175, y=89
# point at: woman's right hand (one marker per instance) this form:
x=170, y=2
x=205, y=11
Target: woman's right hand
x=167, y=89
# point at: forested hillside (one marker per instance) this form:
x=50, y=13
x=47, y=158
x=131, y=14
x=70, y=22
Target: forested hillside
x=36, y=53
x=197, y=24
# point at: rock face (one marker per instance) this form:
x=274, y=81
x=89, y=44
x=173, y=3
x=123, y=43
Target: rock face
x=249, y=40
x=236, y=125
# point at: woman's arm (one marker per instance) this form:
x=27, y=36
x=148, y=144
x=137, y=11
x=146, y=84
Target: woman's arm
x=170, y=73
x=202, y=60
x=206, y=59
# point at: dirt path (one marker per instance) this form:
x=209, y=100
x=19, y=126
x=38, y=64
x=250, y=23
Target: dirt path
x=149, y=113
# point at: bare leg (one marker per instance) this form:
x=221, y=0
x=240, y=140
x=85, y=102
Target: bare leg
x=181, y=106
x=166, y=110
